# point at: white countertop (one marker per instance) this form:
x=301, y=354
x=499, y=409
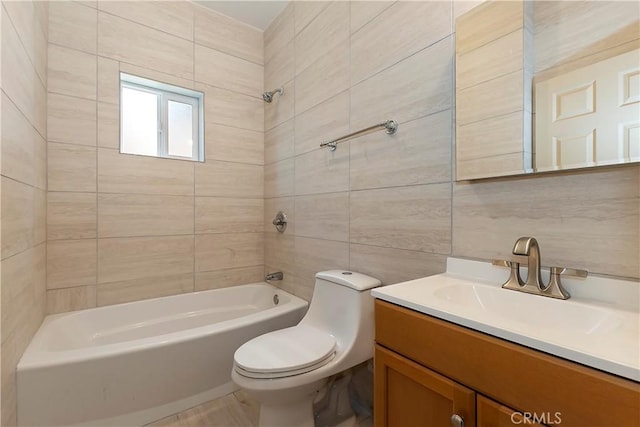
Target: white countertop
x=599, y=326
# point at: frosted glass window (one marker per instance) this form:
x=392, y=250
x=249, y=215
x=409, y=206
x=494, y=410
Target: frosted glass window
x=180, y=128
x=160, y=120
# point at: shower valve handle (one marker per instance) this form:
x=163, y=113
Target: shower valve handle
x=280, y=221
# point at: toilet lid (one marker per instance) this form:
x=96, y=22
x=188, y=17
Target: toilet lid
x=285, y=352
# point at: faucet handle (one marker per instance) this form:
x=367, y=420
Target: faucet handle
x=509, y=263
x=568, y=272
x=514, y=282
x=555, y=289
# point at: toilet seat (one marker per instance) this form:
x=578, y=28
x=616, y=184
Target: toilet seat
x=284, y=353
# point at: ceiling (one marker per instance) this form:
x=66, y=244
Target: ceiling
x=258, y=14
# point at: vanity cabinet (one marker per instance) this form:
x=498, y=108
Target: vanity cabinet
x=427, y=369
x=413, y=395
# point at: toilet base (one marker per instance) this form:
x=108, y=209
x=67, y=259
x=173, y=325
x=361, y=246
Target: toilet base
x=294, y=414
x=291, y=407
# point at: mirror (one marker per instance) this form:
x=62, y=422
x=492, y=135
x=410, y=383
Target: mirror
x=546, y=85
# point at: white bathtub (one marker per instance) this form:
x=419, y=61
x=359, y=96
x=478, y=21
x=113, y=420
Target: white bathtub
x=130, y=364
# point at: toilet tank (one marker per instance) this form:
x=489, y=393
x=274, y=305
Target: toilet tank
x=350, y=279
x=342, y=304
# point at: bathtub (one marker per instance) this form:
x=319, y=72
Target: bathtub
x=133, y=363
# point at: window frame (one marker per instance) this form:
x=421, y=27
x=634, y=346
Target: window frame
x=166, y=93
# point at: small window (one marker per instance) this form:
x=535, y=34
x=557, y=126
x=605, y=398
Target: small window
x=161, y=120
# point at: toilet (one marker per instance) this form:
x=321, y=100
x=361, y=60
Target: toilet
x=285, y=369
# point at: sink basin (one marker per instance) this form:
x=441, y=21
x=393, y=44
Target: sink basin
x=598, y=327
x=511, y=306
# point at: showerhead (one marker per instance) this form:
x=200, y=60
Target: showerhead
x=268, y=96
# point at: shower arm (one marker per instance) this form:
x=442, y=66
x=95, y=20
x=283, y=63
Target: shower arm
x=268, y=96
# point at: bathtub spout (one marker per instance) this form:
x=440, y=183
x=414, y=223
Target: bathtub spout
x=274, y=276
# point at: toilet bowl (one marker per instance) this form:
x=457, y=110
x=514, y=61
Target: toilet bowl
x=285, y=369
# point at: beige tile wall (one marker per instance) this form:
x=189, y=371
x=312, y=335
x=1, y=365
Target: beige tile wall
x=388, y=205
x=586, y=219
x=125, y=227
x=378, y=201
x=23, y=185
x=94, y=227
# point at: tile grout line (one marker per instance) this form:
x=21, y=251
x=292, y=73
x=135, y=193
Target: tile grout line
x=46, y=148
x=349, y=148
x=44, y=137
x=452, y=142
x=95, y=296
x=23, y=46
x=303, y=29
x=193, y=279
x=193, y=41
x=244, y=198
x=173, y=76
x=293, y=189
x=204, y=155
x=374, y=18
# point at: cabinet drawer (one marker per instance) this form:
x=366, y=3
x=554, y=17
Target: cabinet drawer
x=522, y=378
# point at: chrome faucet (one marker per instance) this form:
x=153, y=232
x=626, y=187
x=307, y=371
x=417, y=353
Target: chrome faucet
x=274, y=276
x=528, y=246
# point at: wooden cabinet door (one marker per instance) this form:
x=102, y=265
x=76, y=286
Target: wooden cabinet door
x=407, y=394
x=493, y=414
